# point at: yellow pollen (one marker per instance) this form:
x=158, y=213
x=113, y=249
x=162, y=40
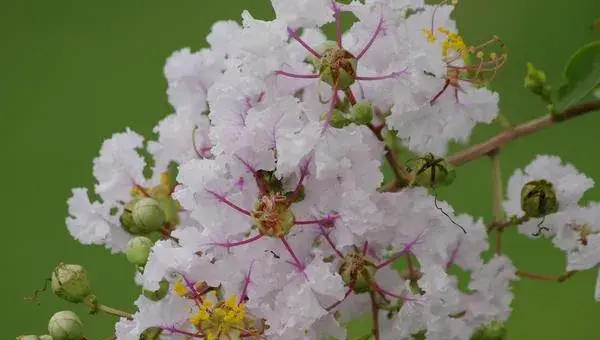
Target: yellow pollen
x=429, y=35
x=180, y=288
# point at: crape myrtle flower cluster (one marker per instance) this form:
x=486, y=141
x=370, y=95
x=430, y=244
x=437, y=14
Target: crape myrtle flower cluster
x=277, y=223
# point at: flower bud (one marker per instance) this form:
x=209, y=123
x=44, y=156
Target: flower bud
x=28, y=337
x=433, y=172
x=362, y=113
x=535, y=81
x=357, y=272
x=495, y=330
x=148, y=214
x=160, y=293
x=538, y=199
x=337, y=66
x=137, y=250
x=126, y=219
x=339, y=119
x=46, y=337
x=70, y=282
x=65, y=325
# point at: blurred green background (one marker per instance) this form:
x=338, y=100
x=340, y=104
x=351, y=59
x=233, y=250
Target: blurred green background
x=74, y=72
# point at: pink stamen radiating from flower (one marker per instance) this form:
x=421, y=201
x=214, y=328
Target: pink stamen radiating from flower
x=337, y=303
x=338, y=23
x=222, y=199
x=192, y=289
x=326, y=220
x=382, y=291
x=299, y=76
x=378, y=30
x=439, y=94
x=294, y=34
x=174, y=330
x=406, y=250
x=230, y=245
x=387, y=76
x=297, y=262
x=246, y=283
x=365, y=247
x=325, y=234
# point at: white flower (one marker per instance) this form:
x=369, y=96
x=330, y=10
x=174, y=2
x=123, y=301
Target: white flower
x=568, y=183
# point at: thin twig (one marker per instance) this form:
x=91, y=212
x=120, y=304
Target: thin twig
x=498, y=212
x=542, y=277
x=519, y=131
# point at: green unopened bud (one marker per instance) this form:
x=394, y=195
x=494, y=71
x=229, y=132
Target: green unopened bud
x=357, y=272
x=46, y=337
x=160, y=293
x=127, y=222
x=273, y=215
x=535, y=81
x=70, y=282
x=170, y=208
x=362, y=113
x=538, y=199
x=148, y=214
x=433, y=172
x=337, y=66
x=493, y=331
x=152, y=333
x=65, y=325
x=421, y=335
x=28, y=337
x=338, y=120
x=137, y=250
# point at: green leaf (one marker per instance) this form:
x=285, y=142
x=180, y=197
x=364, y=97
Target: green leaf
x=581, y=75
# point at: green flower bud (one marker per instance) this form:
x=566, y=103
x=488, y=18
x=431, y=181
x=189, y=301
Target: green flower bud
x=152, y=333
x=28, y=337
x=357, y=272
x=493, y=331
x=337, y=66
x=65, y=325
x=160, y=293
x=127, y=222
x=70, y=282
x=362, y=113
x=339, y=119
x=535, y=81
x=421, y=335
x=433, y=172
x=538, y=199
x=148, y=214
x=137, y=250
x=46, y=337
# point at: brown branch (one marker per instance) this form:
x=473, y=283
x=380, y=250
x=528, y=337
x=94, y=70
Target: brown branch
x=400, y=174
x=541, y=277
x=519, y=131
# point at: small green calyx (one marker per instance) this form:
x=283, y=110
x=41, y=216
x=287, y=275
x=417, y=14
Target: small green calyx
x=273, y=216
x=538, y=199
x=339, y=119
x=535, y=81
x=65, y=325
x=70, y=282
x=432, y=172
x=493, y=331
x=137, y=250
x=272, y=184
x=421, y=335
x=336, y=66
x=362, y=113
x=357, y=272
x=160, y=293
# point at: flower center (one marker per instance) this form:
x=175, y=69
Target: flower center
x=337, y=67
